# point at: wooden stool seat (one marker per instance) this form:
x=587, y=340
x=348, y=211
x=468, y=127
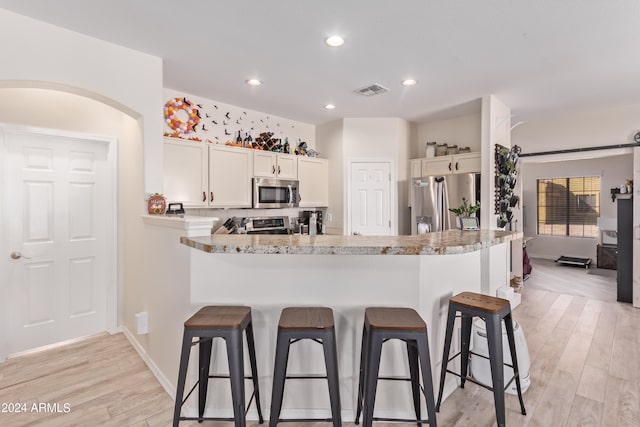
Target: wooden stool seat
x=214, y=316
x=394, y=318
x=306, y=318
x=480, y=302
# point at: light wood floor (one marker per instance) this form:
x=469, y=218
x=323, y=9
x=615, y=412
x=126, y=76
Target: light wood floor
x=585, y=371
x=594, y=282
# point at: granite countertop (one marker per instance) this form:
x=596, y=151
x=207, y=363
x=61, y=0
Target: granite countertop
x=439, y=243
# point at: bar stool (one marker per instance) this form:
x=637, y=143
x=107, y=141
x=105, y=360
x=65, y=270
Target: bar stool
x=380, y=325
x=493, y=310
x=298, y=323
x=228, y=323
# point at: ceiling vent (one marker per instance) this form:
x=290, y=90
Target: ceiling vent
x=370, y=90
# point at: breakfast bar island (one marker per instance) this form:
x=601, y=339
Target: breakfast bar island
x=347, y=274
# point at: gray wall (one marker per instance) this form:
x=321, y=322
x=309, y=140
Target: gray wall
x=612, y=170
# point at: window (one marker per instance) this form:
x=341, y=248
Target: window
x=568, y=206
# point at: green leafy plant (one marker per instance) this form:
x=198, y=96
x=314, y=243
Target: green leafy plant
x=466, y=209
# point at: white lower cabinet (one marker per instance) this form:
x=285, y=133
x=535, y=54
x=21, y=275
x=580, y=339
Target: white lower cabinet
x=313, y=175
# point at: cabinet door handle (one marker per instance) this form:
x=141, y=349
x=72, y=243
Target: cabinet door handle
x=449, y=166
x=278, y=170
x=212, y=196
x=456, y=165
x=273, y=169
x=204, y=196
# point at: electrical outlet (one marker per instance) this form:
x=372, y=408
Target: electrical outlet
x=142, y=323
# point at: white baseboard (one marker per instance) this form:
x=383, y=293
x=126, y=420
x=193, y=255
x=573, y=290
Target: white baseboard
x=164, y=382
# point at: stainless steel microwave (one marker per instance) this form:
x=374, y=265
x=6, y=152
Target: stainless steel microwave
x=275, y=193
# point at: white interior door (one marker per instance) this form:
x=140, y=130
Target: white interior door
x=56, y=224
x=370, y=198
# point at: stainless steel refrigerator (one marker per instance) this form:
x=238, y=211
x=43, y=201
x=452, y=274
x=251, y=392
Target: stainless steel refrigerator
x=434, y=195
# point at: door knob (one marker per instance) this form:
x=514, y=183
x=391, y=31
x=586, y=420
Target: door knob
x=18, y=255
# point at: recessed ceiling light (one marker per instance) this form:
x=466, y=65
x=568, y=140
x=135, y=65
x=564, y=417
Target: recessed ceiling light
x=329, y=106
x=334, y=41
x=409, y=82
x=253, y=82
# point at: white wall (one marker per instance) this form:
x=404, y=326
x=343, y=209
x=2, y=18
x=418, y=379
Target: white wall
x=463, y=131
x=602, y=127
x=580, y=129
x=378, y=139
x=65, y=111
x=241, y=119
x=99, y=88
x=37, y=54
x=329, y=142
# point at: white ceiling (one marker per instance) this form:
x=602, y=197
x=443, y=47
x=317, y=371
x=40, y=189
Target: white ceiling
x=540, y=57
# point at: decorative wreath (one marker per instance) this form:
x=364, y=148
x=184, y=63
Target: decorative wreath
x=173, y=106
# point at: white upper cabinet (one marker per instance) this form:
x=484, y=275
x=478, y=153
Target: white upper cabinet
x=287, y=166
x=313, y=174
x=274, y=165
x=453, y=164
x=202, y=175
x=230, y=171
x=186, y=173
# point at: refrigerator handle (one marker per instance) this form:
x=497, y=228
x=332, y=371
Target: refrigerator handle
x=446, y=221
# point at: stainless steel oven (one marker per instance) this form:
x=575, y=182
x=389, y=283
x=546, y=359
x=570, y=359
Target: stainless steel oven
x=266, y=225
x=275, y=193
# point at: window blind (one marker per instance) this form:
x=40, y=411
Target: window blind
x=568, y=206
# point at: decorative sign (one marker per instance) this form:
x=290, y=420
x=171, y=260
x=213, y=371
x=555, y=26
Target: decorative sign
x=157, y=204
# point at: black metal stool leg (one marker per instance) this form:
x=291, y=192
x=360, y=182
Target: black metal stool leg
x=414, y=371
x=427, y=379
x=494, y=340
x=333, y=379
x=279, y=374
x=204, y=364
x=451, y=318
x=371, y=376
x=235, y=356
x=182, y=375
x=465, y=341
x=254, y=369
x=514, y=359
x=363, y=361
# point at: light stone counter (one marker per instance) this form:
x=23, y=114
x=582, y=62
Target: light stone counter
x=440, y=243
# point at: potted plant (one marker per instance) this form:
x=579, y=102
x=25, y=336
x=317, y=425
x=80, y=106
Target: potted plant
x=465, y=210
